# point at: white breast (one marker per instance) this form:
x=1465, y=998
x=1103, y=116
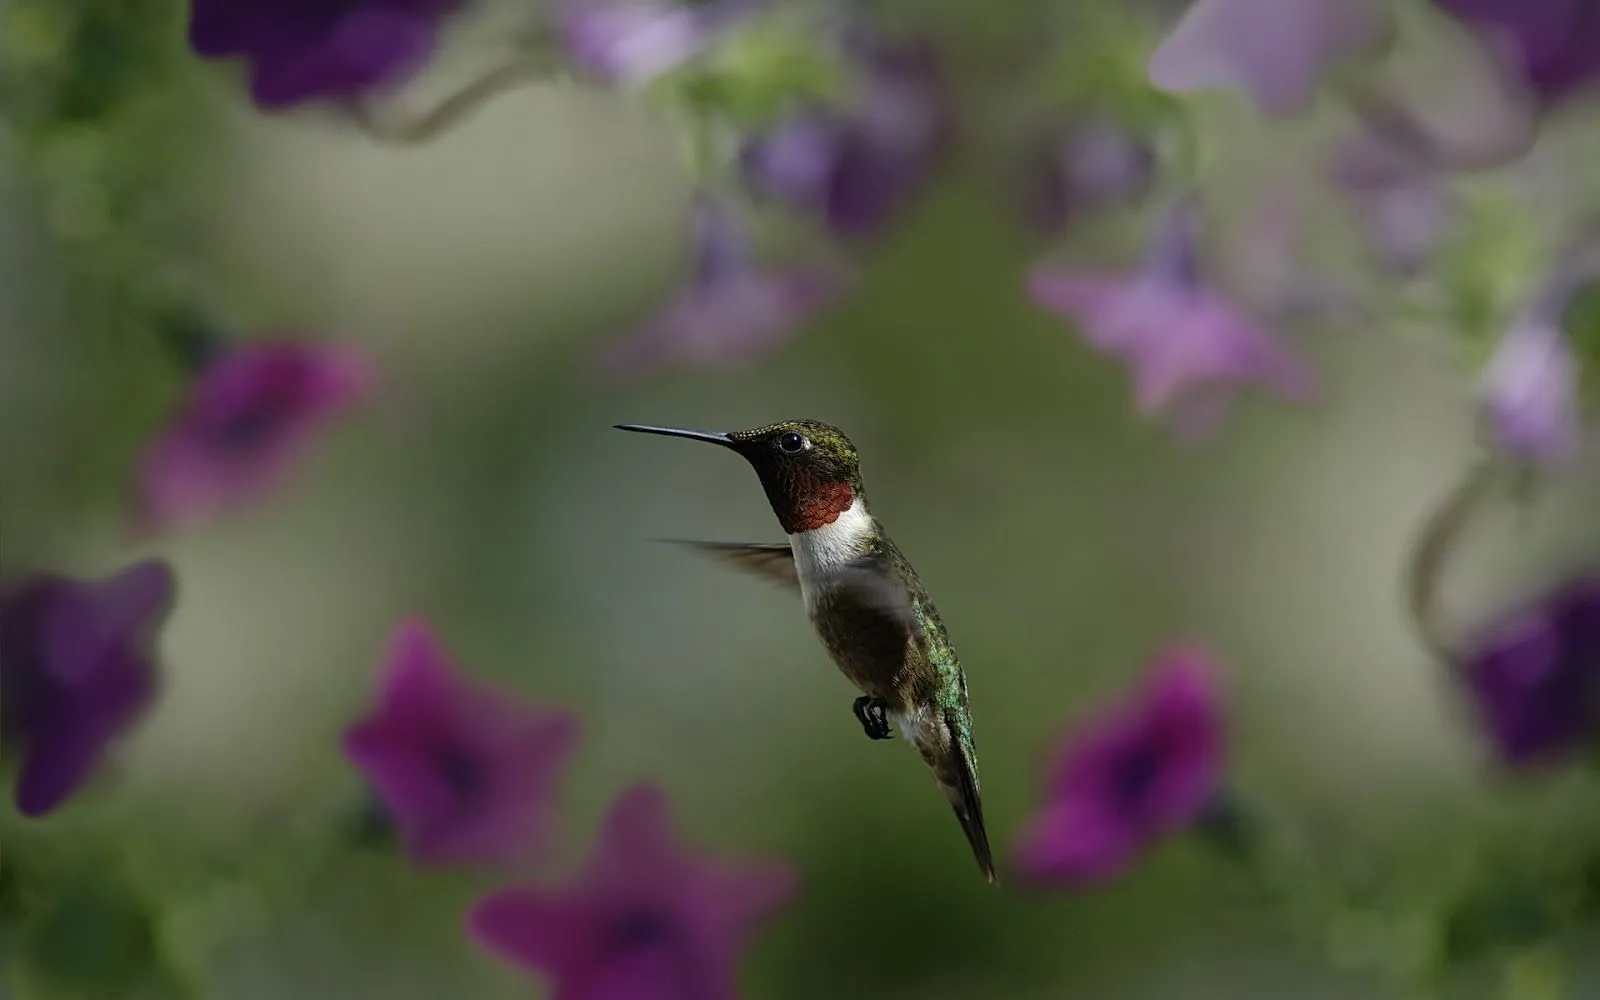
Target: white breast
x=823, y=549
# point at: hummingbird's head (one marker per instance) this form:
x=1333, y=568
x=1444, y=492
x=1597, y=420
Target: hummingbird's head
x=808, y=468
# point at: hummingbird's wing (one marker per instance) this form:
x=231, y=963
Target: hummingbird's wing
x=773, y=560
x=878, y=603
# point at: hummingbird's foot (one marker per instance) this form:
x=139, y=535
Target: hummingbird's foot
x=873, y=714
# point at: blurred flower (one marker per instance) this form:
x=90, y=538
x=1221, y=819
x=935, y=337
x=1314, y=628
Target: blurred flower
x=77, y=668
x=303, y=50
x=250, y=415
x=733, y=309
x=857, y=166
x=645, y=920
x=1141, y=769
x=1274, y=50
x=1551, y=46
x=1535, y=674
x=1265, y=264
x=630, y=42
x=1530, y=390
x=1085, y=164
x=1187, y=346
x=1403, y=203
x=467, y=771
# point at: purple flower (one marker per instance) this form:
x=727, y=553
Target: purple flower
x=1404, y=206
x=250, y=415
x=1530, y=390
x=467, y=771
x=1087, y=164
x=857, y=167
x=630, y=42
x=1535, y=674
x=644, y=921
x=732, y=309
x=1274, y=50
x=1139, y=770
x=302, y=50
x=1187, y=346
x=76, y=670
x=1551, y=46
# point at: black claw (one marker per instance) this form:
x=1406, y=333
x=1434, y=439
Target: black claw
x=873, y=714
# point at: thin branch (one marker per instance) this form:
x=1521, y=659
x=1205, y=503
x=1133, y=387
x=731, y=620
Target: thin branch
x=1392, y=121
x=421, y=127
x=1439, y=539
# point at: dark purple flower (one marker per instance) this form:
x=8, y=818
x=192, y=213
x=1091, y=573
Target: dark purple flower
x=303, y=50
x=77, y=668
x=467, y=771
x=630, y=42
x=1188, y=347
x=1139, y=770
x=856, y=167
x=250, y=415
x=645, y=920
x=1551, y=46
x=1274, y=50
x=732, y=310
x=1535, y=674
x=1090, y=163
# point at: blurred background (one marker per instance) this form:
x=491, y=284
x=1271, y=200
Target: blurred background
x=1064, y=536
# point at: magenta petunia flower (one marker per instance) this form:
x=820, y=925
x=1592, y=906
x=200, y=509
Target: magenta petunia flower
x=733, y=309
x=1274, y=50
x=1551, y=46
x=1530, y=390
x=1138, y=771
x=77, y=669
x=1534, y=674
x=645, y=920
x=858, y=166
x=1187, y=346
x=304, y=50
x=467, y=771
x=250, y=415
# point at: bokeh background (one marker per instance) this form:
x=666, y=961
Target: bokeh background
x=1065, y=537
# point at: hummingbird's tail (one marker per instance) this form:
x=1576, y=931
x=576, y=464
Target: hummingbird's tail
x=946, y=747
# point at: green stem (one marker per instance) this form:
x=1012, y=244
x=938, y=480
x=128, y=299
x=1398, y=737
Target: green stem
x=1438, y=540
x=418, y=128
x=1377, y=108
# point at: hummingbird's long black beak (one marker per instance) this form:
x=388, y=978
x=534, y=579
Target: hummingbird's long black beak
x=715, y=437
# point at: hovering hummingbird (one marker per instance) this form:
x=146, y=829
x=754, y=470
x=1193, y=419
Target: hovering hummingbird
x=864, y=600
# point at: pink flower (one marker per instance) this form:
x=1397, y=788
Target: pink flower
x=631, y=42
x=1139, y=770
x=1188, y=347
x=250, y=416
x=732, y=310
x=1274, y=50
x=467, y=771
x=645, y=920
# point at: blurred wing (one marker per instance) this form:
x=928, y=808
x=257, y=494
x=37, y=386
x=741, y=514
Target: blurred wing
x=878, y=604
x=773, y=560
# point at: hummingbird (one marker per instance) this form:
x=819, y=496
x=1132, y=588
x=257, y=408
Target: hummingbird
x=866, y=603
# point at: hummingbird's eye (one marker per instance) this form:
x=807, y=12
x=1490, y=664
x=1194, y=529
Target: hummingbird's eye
x=791, y=442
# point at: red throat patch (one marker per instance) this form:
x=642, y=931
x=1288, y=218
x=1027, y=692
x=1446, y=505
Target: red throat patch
x=820, y=506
